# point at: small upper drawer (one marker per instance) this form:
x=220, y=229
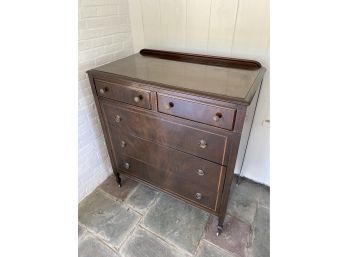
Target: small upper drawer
x=210, y=114
x=126, y=94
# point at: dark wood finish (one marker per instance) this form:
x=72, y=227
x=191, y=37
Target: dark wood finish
x=130, y=95
x=168, y=132
x=209, y=114
x=203, y=59
x=170, y=169
x=178, y=183
x=234, y=85
x=174, y=121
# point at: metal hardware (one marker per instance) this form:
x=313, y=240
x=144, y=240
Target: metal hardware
x=219, y=230
x=169, y=105
x=217, y=117
x=103, y=90
x=137, y=98
x=118, y=118
x=200, y=172
x=202, y=144
x=198, y=196
x=126, y=165
x=123, y=144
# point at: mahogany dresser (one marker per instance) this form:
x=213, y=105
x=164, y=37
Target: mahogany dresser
x=178, y=122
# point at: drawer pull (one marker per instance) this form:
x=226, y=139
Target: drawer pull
x=217, y=117
x=200, y=172
x=198, y=196
x=202, y=144
x=123, y=144
x=137, y=99
x=169, y=105
x=103, y=90
x=118, y=118
x=126, y=165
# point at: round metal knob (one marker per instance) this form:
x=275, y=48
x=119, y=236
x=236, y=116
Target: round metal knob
x=137, y=98
x=217, y=116
x=198, y=196
x=202, y=144
x=118, y=118
x=169, y=105
x=126, y=165
x=200, y=172
x=123, y=144
x=103, y=90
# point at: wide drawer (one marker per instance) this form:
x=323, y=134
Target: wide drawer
x=193, y=178
x=217, y=116
x=195, y=141
x=122, y=93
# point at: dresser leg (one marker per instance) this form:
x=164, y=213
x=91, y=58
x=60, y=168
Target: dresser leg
x=220, y=226
x=118, y=179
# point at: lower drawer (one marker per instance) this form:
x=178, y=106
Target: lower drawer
x=187, y=185
x=191, y=177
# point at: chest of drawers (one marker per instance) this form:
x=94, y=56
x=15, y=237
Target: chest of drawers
x=178, y=122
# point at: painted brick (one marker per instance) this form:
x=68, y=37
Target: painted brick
x=96, y=2
x=86, y=12
x=114, y=48
x=107, y=10
x=104, y=36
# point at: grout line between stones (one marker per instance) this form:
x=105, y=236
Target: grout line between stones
x=132, y=192
x=129, y=235
x=167, y=242
x=220, y=248
x=99, y=238
x=203, y=233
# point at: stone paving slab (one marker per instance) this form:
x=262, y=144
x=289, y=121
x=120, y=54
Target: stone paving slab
x=81, y=231
x=234, y=238
x=242, y=206
x=111, y=187
x=264, y=196
x=261, y=243
x=177, y=222
x=145, y=244
x=209, y=250
x=141, y=198
x=248, y=187
x=107, y=218
x=91, y=247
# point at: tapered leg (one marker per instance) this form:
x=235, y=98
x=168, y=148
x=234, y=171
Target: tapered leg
x=220, y=225
x=118, y=179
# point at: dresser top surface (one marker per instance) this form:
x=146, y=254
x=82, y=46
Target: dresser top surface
x=235, y=83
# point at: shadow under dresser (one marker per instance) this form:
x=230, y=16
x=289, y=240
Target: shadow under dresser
x=178, y=122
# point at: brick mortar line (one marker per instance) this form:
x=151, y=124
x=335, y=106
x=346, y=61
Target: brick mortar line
x=102, y=17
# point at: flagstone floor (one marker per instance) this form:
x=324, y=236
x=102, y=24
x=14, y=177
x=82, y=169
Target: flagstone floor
x=137, y=221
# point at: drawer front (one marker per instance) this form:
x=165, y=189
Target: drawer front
x=209, y=114
x=122, y=93
x=193, y=178
x=201, y=143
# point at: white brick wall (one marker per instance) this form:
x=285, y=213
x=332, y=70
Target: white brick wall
x=104, y=36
